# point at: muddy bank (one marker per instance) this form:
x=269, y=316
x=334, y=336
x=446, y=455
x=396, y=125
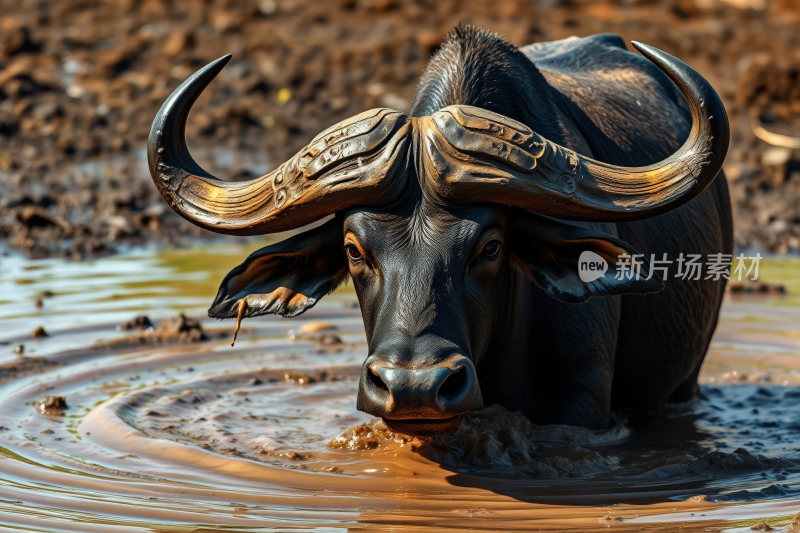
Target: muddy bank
x=81, y=82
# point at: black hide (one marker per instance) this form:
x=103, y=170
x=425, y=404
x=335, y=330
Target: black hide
x=478, y=304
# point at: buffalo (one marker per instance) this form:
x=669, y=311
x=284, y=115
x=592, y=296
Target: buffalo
x=462, y=223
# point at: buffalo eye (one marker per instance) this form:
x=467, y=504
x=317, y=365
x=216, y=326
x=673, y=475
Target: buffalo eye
x=353, y=252
x=491, y=250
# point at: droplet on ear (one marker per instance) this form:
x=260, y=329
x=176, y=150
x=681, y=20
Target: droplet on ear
x=242, y=307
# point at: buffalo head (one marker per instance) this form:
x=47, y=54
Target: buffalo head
x=433, y=215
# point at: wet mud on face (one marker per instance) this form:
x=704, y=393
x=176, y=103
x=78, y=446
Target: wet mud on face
x=266, y=433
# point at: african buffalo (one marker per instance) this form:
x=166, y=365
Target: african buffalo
x=450, y=222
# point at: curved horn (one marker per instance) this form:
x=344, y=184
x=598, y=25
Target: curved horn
x=775, y=139
x=472, y=155
x=360, y=161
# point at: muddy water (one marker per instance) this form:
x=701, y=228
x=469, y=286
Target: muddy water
x=204, y=437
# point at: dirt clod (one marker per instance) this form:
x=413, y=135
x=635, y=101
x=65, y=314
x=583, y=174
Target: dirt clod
x=329, y=339
x=762, y=526
x=39, y=333
x=361, y=437
x=52, y=403
x=299, y=378
x=756, y=288
x=371, y=436
x=141, y=322
x=178, y=329
x=294, y=456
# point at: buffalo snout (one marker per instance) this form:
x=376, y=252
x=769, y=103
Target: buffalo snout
x=419, y=399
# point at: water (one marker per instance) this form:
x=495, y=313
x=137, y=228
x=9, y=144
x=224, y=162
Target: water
x=265, y=435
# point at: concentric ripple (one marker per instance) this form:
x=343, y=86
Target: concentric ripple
x=202, y=436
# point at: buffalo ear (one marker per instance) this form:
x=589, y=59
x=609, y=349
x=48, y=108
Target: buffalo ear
x=285, y=278
x=548, y=252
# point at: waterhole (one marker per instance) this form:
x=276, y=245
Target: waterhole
x=140, y=433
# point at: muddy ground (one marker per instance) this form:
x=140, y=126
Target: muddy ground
x=80, y=82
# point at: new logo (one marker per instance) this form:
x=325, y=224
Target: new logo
x=591, y=266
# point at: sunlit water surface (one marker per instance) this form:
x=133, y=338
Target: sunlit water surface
x=265, y=435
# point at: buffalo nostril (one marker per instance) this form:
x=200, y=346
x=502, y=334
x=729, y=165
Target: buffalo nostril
x=377, y=381
x=454, y=383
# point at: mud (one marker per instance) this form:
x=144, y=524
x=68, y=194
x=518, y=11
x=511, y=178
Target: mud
x=202, y=436
x=173, y=330
x=755, y=288
x=24, y=366
x=320, y=332
x=52, y=404
x=80, y=83
x=39, y=332
x=141, y=322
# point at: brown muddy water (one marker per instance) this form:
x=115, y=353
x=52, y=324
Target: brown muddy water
x=202, y=436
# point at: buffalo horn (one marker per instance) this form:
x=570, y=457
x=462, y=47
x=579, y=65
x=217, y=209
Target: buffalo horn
x=360, y=161
x=474, y=155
